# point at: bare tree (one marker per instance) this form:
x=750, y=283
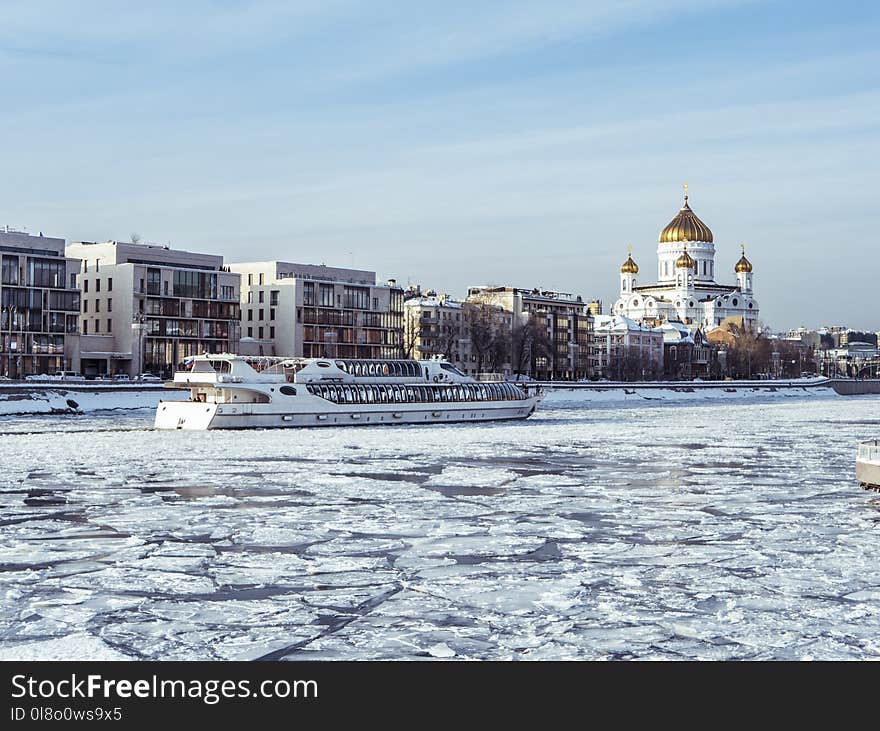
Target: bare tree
x=411, y=331
x=135, y=238
x=529, y=342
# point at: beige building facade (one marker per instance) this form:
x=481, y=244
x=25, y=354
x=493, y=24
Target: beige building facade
x=147, y=308
x=316, y=311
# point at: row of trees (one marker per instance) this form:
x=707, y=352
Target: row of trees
x=494, y=345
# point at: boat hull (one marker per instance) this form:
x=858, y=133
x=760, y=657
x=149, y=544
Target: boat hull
x=868, y=464
x=190, y=415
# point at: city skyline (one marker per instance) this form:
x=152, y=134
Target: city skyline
x=458, y=147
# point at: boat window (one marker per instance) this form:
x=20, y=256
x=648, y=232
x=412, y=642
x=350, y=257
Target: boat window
x=372, y=369
x=323, y=364
x=428, y=393
x=288, y=390
x=451, y=368
x=341, y=365
x=362, y=390
x=410, y=394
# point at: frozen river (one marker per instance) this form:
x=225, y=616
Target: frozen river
x=716, y=531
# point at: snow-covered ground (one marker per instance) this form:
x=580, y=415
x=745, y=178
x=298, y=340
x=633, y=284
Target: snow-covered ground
x=715, y=530
x=682, y=394
x=47, y=401
x=16, y=401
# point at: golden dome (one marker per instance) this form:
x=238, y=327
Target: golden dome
x=743, y=265
x=685, y=227
x=685, y=261
x=629, y=266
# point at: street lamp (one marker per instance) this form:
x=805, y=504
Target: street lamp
x=138, y=327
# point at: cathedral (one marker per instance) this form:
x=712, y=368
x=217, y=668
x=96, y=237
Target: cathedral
x=686, y=290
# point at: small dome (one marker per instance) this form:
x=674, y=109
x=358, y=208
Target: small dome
x=685, y=227
x=685, y=261
x=743, y=265
x=629, y=266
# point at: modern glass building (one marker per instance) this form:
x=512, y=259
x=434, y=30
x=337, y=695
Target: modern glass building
x=39, y=305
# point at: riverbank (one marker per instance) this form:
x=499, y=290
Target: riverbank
x=22, y=399
x=83, y=397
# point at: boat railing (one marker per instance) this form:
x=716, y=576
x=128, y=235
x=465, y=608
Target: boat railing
x=870, y=450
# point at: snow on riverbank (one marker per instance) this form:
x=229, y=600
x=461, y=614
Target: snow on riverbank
x=52, y=401
x=46, y=401
x=558, y=395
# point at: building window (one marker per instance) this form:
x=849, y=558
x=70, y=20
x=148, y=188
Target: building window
x=271, y=313
x=85, y=327
x=250, y=332
x=109, y=284
x=109, y=325
x=165, y=288
x=109, y=304
x=97, y=285
x=308, y=293
x=97, y=326
x=73, y=280
x=97, y=263
x=261, y=314
x=375, y=303
x=261, y=278
x=97, y=305
x=261, y=296
x=260, y=333
x=272, y=332
x=250, y=315
x=357, y=298
x=273, y=298
x=86, y=286
x=250, y=279
x=250, y=297
x=325, y=295
x=85, y=305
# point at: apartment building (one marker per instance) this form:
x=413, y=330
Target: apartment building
x=474, y=337
x=559, y=347
x=628, y=350
x=146, y=308
x=316, y=311
x=39, y=305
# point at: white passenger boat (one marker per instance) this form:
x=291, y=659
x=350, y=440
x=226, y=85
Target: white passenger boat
x=868, y=464
x=234, y=392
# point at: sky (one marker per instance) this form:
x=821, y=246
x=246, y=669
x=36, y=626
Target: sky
x=458, y=143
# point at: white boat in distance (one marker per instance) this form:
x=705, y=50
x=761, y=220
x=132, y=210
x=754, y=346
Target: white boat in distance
x=233, y=392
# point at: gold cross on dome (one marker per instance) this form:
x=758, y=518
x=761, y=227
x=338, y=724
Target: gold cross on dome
x=685, y=187
x=743, y=245
x=629, y=249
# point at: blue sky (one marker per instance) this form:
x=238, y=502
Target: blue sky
x=450, y=144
